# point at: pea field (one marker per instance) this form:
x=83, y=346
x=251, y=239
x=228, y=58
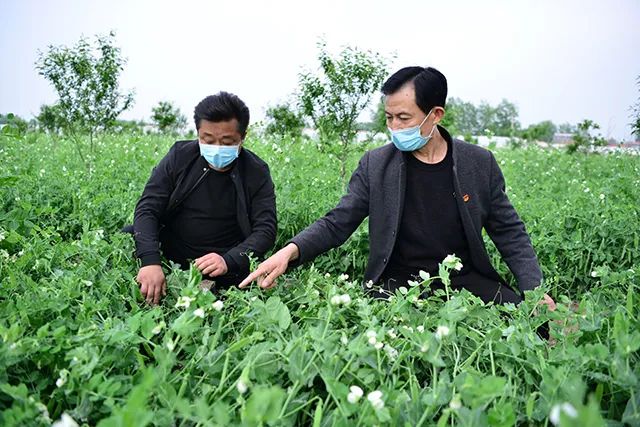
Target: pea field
x=79, y=346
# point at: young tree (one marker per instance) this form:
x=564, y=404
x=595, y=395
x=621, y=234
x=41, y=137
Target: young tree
x=542, y=131
x=51, y=118
x=335, y=97
x=283, y=120
x=86, y=78
x=583, y=140
x=462, y=117
x=635, y=116
x=168, y=118
x=14, y=125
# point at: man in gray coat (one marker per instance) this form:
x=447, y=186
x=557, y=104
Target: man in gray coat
x=427, y=195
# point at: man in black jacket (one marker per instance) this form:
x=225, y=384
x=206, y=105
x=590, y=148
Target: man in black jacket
x=209, y=201
x=427, y=195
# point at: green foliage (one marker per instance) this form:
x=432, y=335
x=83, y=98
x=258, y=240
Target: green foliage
x=76, y=337
x=543, y=131
x=567, y=128
x=13, y=125
x=283, y=120
x=583, y=139
x=334, y=98
x=168, y=118
x=635, y=115
x=466, y=118
x=51, y=118
x=86, y=79
x=378, y=124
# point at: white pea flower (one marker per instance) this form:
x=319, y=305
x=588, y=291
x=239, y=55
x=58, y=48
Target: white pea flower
x=455, y=402
x=184, y=302
x=87, y=283
x=375, y=397
x=424, y=348
x=403, y=290
x=442, y=331
x=158, y=328
x=586, y=190
x=392, y=333
x=355, y=393
x=199, y=312
x=424, y=275
x=594, y=273
x=371, y=333
x=65, y=421
x=449, y=259
x=602, y=196
x=242, y=386
x=378, y=345
x=62, y=380
x=458, y=266
x=369, y=284
x=373, y=340
x=343, y=277
x=344, y=299
x=391, y=352
x=420, y=328
x=171, y=345
x=2, y=236
x=567, y=408
x=218, y=305
x=344, y=340
x=327, y=275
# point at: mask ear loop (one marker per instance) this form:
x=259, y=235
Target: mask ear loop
x=425, y=119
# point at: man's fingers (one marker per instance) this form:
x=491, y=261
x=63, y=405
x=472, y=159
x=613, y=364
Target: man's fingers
x=143, y=289
x=251, y=277
x=270, y=281
x=158, y=294
x=211, y=268
x=164, y=288
x=217, y=271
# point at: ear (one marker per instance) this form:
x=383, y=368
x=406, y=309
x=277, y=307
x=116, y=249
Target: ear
x=438, y=114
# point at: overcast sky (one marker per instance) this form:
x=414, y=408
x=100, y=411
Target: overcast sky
x=559, y=60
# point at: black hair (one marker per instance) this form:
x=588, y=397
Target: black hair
x=221, y=107
x=430, y=86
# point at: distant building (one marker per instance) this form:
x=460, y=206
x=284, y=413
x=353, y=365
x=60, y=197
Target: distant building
x=562, y=138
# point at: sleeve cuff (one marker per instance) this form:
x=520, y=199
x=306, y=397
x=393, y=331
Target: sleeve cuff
x=232, y=265
x=150, y=259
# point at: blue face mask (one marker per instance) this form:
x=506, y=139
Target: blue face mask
x=410, y=139
x=219, y=156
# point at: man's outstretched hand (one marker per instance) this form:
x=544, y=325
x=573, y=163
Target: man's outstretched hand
x=268, y=271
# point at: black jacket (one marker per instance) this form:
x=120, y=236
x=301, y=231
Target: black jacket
x=178, y=174
x=377, y=189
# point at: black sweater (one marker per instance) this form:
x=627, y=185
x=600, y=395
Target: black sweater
x=179, y=174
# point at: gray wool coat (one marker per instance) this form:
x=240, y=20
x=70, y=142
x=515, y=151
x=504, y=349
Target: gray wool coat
x=377, y=189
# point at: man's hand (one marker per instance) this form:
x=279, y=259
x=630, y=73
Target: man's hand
x=212, y=265
x=549, y=302
x=153, y=285
x=268, y=271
